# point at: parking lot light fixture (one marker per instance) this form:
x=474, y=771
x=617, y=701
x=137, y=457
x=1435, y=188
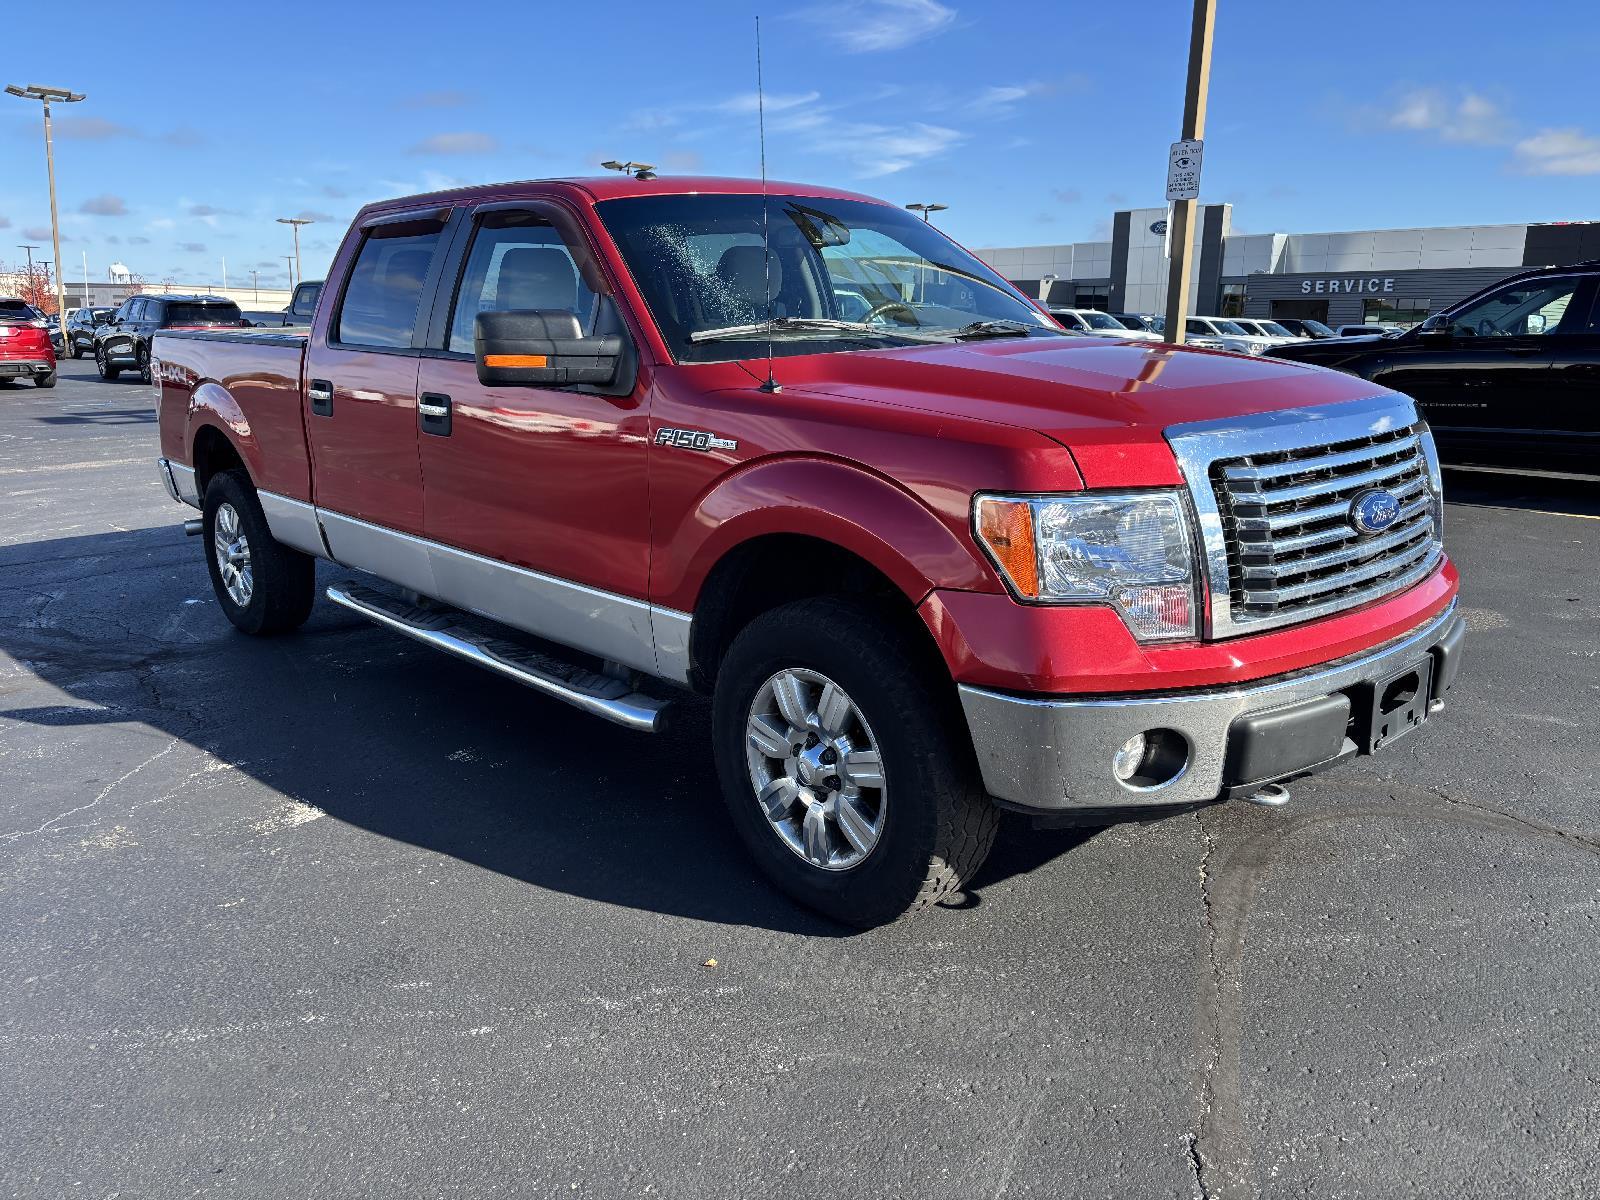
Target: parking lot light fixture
x=296, y=222
x=927, y=210
x=638, y=170
x=47, y=95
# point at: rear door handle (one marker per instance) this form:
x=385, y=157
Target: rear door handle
x=433, y=413
x=320, y=393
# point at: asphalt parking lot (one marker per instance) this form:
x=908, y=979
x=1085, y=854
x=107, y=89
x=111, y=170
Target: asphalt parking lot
x=331, y=915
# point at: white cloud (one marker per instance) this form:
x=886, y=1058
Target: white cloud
x=747, y=103
x=1472, y=119
x=1559, y=152
x=869, y=26
x=465, y=142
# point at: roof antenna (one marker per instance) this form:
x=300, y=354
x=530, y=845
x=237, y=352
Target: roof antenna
x=771, y=384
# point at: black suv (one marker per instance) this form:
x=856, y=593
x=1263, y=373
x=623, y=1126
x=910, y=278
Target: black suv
x=80, y=329
x=123, y=343
x=1507, y=377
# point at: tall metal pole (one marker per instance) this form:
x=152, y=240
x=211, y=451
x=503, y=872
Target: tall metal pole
x=1194, y=127
x=289, y=258
x=55, y=220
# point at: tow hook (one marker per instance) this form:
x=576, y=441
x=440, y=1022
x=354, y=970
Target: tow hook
x=1274, y=795
x=193, y=527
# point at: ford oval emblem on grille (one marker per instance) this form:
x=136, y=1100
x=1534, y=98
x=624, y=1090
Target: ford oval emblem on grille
x=1374, y=510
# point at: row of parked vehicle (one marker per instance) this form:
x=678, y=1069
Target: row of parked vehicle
x=1244, y=335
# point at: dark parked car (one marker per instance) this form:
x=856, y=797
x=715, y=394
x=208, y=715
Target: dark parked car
x=1306, y=328
x=300, y=311
x=123, y=343
x=1509, y=376
x=80, y=329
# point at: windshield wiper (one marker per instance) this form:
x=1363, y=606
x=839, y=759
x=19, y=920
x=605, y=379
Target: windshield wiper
x=980, y=329
x=804, y=325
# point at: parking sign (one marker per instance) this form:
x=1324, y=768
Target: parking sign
x=1183, y=170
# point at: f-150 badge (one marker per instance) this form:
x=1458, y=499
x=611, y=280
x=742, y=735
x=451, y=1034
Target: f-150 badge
x=693, y=439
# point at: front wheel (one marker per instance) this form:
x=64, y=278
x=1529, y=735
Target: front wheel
x=264, y=587
x=103, y=365
x=844, y=763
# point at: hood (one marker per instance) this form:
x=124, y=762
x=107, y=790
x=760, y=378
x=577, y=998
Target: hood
x=1107, y=401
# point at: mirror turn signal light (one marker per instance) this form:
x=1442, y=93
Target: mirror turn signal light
x=516, y=360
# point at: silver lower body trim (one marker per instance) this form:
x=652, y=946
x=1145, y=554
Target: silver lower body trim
x=294, y=523
x=179, y=482
x=1048, y=755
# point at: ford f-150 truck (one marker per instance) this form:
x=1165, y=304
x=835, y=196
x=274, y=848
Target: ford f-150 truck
x=614, y=439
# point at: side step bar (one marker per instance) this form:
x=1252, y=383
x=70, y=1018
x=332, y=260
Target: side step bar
x=443, y=629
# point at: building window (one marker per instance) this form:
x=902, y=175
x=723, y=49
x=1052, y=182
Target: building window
x=1232, y=300
x=1394, y=312
x=1099, y=301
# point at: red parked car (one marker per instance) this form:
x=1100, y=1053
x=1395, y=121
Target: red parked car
x=25, y=349
x=618, y=438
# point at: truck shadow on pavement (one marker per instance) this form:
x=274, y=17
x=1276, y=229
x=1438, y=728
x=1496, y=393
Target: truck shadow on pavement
x=399, y=740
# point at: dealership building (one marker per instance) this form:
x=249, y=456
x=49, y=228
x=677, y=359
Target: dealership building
x=1370, y=276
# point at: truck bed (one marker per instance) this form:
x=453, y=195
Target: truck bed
x=246, y=383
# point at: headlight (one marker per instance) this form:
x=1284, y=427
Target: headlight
x=1129, y=550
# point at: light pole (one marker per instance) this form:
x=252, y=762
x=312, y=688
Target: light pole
x=289, y=258
x=296, y=222
x=1180, y=230
x=255, y=286
x=927, y=210
x=45, y=95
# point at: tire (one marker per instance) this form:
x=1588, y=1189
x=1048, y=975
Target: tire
x=77, y=349
x=271, y=588
x=45, y=381
x=144, y=364
x=928, y=821
x=107, y=371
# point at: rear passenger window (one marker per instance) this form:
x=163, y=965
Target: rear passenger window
x=519, y=260
x=385, y=288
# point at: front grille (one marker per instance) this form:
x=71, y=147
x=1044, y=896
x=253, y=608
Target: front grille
x=1292, y=551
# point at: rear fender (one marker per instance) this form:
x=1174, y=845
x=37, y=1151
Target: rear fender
x=866, y=514
x=212, y=406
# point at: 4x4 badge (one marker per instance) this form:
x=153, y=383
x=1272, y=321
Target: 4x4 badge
x=693, y=439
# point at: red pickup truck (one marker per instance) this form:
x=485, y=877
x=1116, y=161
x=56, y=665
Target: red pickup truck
x=614, y=438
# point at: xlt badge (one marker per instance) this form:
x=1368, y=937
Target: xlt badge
x=693, y=439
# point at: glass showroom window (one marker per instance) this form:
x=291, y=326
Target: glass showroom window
x=1232, y=300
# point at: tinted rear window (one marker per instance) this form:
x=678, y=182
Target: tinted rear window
x=202, y=314
x=15, y=310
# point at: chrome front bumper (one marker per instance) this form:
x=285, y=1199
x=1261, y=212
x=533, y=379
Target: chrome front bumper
x=1053, y=755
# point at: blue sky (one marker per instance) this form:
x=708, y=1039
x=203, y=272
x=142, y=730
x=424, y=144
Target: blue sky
x=1032, y=120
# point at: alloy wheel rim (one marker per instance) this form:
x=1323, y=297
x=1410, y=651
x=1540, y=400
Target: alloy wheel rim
x=816, y=769
x=233, y=556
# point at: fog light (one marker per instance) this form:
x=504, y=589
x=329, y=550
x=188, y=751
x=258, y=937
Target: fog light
x=1151, y=759
x=1125, y=763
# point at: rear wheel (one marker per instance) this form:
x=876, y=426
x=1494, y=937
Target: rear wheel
x=45, y=381
x=77, y=348
x=264, y=587
x=844, y=764
x=107, y=371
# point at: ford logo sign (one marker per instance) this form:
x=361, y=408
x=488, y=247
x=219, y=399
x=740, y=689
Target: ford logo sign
x=1374, y=510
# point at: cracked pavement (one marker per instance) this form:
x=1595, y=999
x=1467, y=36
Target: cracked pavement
x=330, y=915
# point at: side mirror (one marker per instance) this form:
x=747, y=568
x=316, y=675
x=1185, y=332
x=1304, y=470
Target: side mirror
x=1435, y=334
x=541, y=348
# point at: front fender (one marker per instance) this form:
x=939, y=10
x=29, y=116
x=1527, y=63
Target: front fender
x=870, y=516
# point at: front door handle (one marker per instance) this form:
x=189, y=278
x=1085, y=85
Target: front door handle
x=433, y=413
x=320, y=393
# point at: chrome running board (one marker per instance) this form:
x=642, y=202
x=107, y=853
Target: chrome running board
x=446, y=630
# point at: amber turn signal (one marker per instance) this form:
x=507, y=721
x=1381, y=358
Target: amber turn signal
x=1005, y=527
x=516, y=360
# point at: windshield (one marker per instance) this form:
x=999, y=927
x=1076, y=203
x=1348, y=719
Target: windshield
x=889, y=277
x=1100, y=320
x=1130, y=322
x=1228, y=327
x=1317, y=327
x=202, y=314
x=1273, y=329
